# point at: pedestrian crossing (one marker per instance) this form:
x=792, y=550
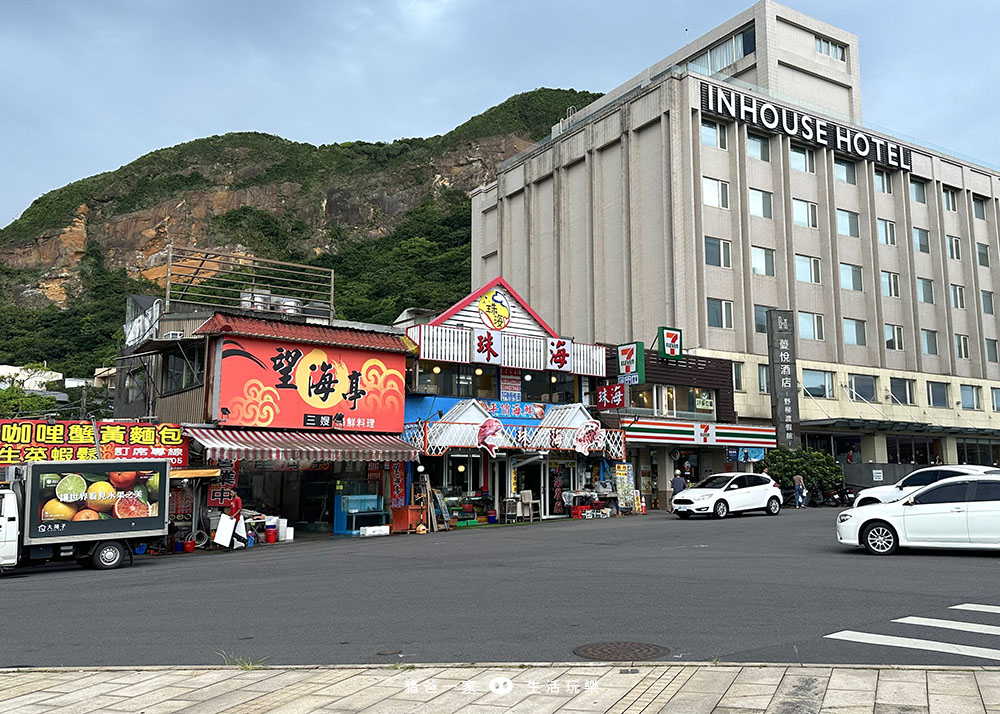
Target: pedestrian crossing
x=941, y=633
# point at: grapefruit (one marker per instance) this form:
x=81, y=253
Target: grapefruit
x=130, y=507
x=123, y=480
x=71, y=488
x=101, y=496
x=56, y=510
x=87, y=515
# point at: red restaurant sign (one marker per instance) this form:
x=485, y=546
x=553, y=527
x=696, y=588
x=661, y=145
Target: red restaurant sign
x=271, y=383
x=24, y=440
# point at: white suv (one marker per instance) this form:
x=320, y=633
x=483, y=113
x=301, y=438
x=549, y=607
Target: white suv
x=915, y=480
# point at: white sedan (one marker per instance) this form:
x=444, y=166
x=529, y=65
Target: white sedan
x=913, y=481
x=957, y=512
x=722, y=494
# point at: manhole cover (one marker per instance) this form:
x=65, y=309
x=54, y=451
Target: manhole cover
x=620, y=651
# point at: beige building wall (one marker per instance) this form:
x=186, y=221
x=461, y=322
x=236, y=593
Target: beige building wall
x=602, y=229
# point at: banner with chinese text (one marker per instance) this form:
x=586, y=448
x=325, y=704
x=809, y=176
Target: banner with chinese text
x=272, y=383
x=27, y=440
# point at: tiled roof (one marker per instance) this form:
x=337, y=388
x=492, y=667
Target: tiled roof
x=337, y=336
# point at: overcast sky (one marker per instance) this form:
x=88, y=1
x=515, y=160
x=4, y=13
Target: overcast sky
x=90, y=86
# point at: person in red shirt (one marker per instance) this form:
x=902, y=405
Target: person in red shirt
x=235, y=512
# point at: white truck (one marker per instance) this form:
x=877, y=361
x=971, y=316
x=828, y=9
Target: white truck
x=93, y=512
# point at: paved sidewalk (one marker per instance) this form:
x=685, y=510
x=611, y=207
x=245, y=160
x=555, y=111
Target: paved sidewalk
x=541, y=688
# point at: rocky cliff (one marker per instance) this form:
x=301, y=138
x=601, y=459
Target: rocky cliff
x=320, y=196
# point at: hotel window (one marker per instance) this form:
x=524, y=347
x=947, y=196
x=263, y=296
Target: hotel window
x=971, y=397
x=902, y=390
x=918, y=191
x=760, y=203
x=817, y=383
x=937, y=394
x=716, y=193
x=954, y=247
x=845, y=171
x=928, y=342
x=720, y=313
x=921, y=240
x=764, y=378
x=958, y=297
x=883, y=181
x=979, y=207
x=830, y=49
x=847, y=224
x=991, y=350
x=850, y=277
x=762, y=260
x=760, y=318
x=713, y=134
x=854, y=332
x=886, y=232
x=890, y=284
x=737, y=376
x=805, y=213
x=962, y=346
x=725, y=53
x=807, y=269
x=949, y=198
x=718, y=252
x=925, y=290
x=996, y=399
x=893, y=337
x=802, y=159
x=810, y=326
x=758, y=146
x=983, y=253
x=986, y=301
x=864, y=387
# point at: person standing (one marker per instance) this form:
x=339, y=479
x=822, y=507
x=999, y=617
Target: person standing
x=678, y=484
x=236, y=513
x=800, y=490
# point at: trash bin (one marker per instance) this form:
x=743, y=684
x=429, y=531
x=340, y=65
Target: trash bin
x=491, y=516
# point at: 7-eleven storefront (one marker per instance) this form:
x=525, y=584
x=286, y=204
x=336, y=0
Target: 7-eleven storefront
x=659, y=446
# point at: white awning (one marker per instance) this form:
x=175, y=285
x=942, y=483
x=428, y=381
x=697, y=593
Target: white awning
x=318, y=446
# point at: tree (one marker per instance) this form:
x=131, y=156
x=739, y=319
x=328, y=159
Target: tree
x=817, y=469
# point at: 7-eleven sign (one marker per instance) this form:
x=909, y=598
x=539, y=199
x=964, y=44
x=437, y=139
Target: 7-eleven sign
x=632, y=363
x=671, y=343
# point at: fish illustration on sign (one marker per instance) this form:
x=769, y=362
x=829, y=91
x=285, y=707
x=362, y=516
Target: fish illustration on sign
x=487, y=437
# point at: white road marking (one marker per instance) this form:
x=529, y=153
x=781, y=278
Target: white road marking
x=950, y=625
x=994, y=609
x=916, y=644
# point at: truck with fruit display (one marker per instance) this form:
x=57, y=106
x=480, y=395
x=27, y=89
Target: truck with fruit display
x=94, y=512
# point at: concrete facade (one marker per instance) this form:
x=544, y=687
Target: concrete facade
x=603, y=228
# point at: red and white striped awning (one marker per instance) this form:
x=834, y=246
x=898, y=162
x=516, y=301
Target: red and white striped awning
x=318, y=446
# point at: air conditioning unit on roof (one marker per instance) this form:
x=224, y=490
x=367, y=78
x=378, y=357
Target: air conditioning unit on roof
x=174, y=335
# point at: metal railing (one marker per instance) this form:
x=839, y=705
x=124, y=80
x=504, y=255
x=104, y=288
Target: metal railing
x=242, y=282
x=435, y=438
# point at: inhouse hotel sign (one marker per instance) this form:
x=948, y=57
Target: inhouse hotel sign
x=774, y=117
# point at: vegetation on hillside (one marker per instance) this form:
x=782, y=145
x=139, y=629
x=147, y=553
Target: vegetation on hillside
x=80, y=338
x=424, y=261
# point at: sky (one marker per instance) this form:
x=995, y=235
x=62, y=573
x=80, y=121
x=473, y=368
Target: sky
x=90, y=86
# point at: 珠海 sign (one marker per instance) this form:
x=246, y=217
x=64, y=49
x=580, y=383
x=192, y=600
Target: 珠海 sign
x=27, y=440
x=610, y=396
x=632, y=363
x=271, y=383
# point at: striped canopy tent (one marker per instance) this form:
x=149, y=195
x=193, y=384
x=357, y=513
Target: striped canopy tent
x=315, y=445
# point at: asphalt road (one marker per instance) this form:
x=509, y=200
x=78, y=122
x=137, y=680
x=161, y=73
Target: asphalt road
x=745, y=589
